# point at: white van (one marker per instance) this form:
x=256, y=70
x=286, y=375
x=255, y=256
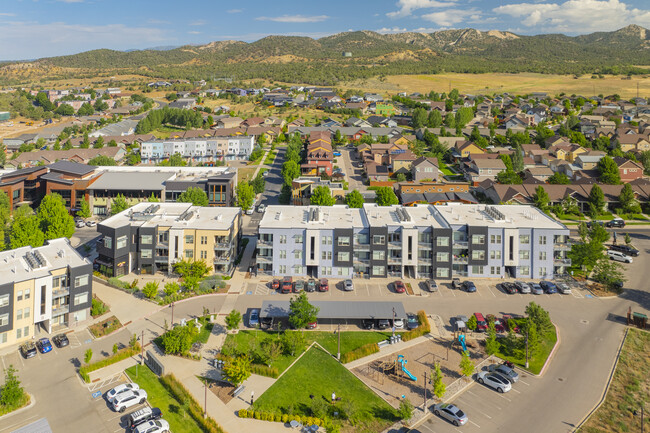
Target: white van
x=619, y=256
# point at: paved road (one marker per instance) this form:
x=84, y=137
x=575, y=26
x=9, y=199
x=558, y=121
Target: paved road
x=274, y=180
x=352, y=173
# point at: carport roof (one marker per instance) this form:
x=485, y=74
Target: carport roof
x=339, y=310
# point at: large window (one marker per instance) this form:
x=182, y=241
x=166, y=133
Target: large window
x=121, y=242
x=146, y=239
x=4, y=300
x=204, y=254
x=80, y=298
x=524, y=254
x=81, y=280
x=378, y=239
x=478, y=239
x=189, y=239
x=344, y=241
x=108, y=242
x=442, y=272
x=298, y=239
x=524, y=239
x=542, y=272
x=524, y=270
x=495, y=254
x=379, y=255
x=442, y=241
x=189, y=254
x=495, y=270
x=297, y=254
x=478, y=255
x=204, y=240
x=344, y=256
x=4, y=319
x=378, y=270
x=442, y=257
x=145, y=254
x=477, y=270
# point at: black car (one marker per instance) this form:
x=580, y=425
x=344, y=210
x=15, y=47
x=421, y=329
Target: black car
x=61, y=340
x=594, y=223
x=469, y=286
x=383, y=324
x=510, y=288
x=28, y=350
x=625, y=249
x=266, y=322
x=616, y=222
x=368, y=323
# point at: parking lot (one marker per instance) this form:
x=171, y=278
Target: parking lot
x=111, y=420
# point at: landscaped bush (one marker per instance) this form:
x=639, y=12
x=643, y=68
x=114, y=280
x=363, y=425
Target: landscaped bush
x=421, y=330
x=98, y=307
x=127, y=352
x=274, y=417
x=116, y=282
x=365, y=350
x=264, y=370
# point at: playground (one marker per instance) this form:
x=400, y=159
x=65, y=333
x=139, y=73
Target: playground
x=402, y=374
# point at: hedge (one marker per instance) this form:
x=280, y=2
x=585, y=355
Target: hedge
x=181, y=394
x=264, y=370
x=279, y=417
x=421, y=330
x=359, y=352
x=119, y=356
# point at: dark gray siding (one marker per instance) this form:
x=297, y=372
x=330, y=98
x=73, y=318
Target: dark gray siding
x=442, y=232
x=471, y=230
x=382, y=231
x=153, y=232
x=338, y=248
x=75, y=272
x=8, y=289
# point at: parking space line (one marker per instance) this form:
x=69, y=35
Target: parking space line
x=527, y=384
x=505, y=398
x=488, y=287
x=474, y=423
x=576, y=294
x=518, y=392
x=368, y=289
x=482, y=413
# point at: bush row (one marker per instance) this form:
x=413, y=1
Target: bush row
x=119, y=356
x=279, y=417
x=421, y=330
x=359, y=352
x=264, y=370
x=181, y=394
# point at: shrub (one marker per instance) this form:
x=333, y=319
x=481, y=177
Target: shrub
x=360, y=352
x=243, y=413
x=119, y=356
x=421, y=330
x=98, y=307
x=285, y=418
x=263, y=370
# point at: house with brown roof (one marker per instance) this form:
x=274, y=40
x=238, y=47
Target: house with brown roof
x=539, y=172
x=81, y=156
x=466, y=148
x=253, y=121
x=377, y=172
x=632, y=142
x=477, y=170
x=402, y=162
x=229, y=122
x=566, y=151
x=318, y=159
x=628, y=169
x=425, y=168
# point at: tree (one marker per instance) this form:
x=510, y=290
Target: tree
x=608, y=171
x=472, y=323
x=237, y=370
x=439, y=387
x=64, y=110
x=322, y=196
x=194, y=195
x=270, y=350
x=102, y=160
x=596, y=201
x=171, y=288
x=26, y=230
x=530, y=329
x=112, y=143
x=628, y=201
x=119, y=204
x=12, y=393
x=153, y=199
x=55, y=221
x=517, y=160
x=258, y=184
x=419, y=118
x=435, y=119
x=233, y=319
x=466, y=365
x=116, y=349
x=293, y=342
x=628, y=239
x=539, y=317
x=99, y=143
x=301, y=312
x=541, y=198
x=491, y=344
x=608, y=272
x=150, y=290
x=245, y=195
x=385, y=196
x=354, y=199
x=179, y=339
x=84, y=209
x=88, y=355
x=559, y=178
x=405, y=410
x=290, y=171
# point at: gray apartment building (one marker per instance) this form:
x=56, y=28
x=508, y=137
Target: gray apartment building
x=423, y=241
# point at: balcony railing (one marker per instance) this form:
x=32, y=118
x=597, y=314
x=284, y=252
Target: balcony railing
x=562, y=261
x=394, y=244
x=562, y=246
x=264, y=259
x=460, y=244
x=222, y=260
x=60, y=310
x=223, y=246
x=61, y=291
x=425, y=245
x=460, y=260
x=265, y=243
x=394, y=260
x=362, y=247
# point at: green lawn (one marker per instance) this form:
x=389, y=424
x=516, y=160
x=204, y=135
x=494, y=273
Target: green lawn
x=443, y=168
x=536, y=362
x=319, y=374
x=179, y=420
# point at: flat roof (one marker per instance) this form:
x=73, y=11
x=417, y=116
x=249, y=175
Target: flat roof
x=131, y=181
x=507, y=216
x=397, y=215
x=72, y=167
x=339, y=309
x=316, y=217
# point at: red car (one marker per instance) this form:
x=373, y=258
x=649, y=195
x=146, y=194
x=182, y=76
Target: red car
x=498, y=323
x=324, y=285
x=275, y=284
x=505, y=319
x=287, y=285
x=481, y=324
x=399, y=287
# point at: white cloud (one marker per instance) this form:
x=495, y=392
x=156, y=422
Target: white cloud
x=450, y=17
x=234, y=11
x=256, y=36
x=29, y=40
x=295, y=19
x=386, y=30
x=198, y=23
x=575, y=16
x=406, y=7
x=193, y=33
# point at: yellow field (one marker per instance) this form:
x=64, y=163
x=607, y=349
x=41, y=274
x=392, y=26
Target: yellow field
x=498, y=83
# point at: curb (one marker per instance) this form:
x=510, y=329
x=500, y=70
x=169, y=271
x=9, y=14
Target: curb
x=32, y=402
x=550, y=355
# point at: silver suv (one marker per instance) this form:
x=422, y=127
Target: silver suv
x=522, y=287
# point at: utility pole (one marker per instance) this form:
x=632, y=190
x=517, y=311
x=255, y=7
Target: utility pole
x=425, y=392
x=172, y=314
x=205, y=405
x=338, y=353
x=393, y=322
x=142, y=347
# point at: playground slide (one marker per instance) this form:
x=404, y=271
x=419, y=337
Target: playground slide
x=402, y=362
x=461, y=340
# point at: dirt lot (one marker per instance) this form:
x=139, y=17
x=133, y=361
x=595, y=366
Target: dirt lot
x=420, y=358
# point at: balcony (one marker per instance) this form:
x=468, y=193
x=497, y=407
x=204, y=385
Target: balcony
x=60, y=292
x=394, y=260
x=460, y=244
x=561, y=261
x=222, y=260
x=60, y=310
x=562, y=246
x=223, y=245
x=264, y=243
x=362, y=247
x=264, y=259
x=425, y=245
x=460, y=260
x=395, y=245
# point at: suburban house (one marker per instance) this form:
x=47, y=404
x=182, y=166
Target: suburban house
x=183, y=103
x=567, y=151
x=589, y=160
x=425, y=168
x=466, y=148
x=303, y=187
x=477, y=170
x=229, y=122
x=402, y=162
x=318, y=159
x=628, y=169
x=377, y=172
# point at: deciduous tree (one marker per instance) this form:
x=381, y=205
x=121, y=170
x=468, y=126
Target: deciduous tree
x=301, y=312
x=385, y=196
x=193, y=195
x=245, y=195
x=322, y=196
x=119, y=204
x=54, y=218
x=354, y=199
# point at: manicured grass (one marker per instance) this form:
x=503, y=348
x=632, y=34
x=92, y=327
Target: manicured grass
x=318, y=374
x=633, y=216
x=536, y=362
x=105, y=327
x=443, y=168
x=173, y=410
x=270, y=157
x=630, y=386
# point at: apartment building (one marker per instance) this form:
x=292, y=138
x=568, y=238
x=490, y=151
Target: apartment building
x=199, y=149
x=151, y=237
x=43, y=289
x=422, y=241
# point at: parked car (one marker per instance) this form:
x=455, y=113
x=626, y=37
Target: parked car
x=121, y=389
x=498, y=323
x=504, y=371
x=81, y=225
x=348, y=286
x=455, y=283
x=266, y=323
x=619, y=256
x=509, y=288
x=522, y=287
x=61, y=340
x=548, y=286
x=91, y=223
x=324, y=285
x=266, y=173
x=368, y=323
x=144, y=415
x=432, y=286
x=254, y=318
x=28, y=350
x=536, y=289
x=594, y=223
x=399, y=286
x=451, y=413
x=494, y=381
x=128, y=399
x=312, y=325
x=481, y=323
x=469, y=286
x=261, y=208
x=625, y=249
x=250, y=210
x=159, y=426
x=311, y=285
x=412, y=321
x=275, y=284
x=287, y=285
x=616, y=222
x=383, y=324
x=398, y=323
x=336, y=153
x=44, y=345
x=563, y=288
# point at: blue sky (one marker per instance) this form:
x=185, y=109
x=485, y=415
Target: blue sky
x=42, y=28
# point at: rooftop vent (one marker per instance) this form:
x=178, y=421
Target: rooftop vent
x=402, y=215
x=35, y=260
x=494, y=213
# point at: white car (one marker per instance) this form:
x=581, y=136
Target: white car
x=119, y=389
x=81, y=225
x=266, y=173
x=261, y=208
x=399, y=323
x=160, y=426
x=348, y=286
x=250, y=210
x=563, y=288
x=128, y=399
x=495, y=381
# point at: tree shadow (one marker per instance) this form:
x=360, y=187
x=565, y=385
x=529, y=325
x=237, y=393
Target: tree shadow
x=640, y=297
x=75, y=362
x=174, y=409
x=104, y=353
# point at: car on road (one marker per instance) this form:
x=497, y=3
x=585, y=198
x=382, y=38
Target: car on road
x=266, y=323
x=455, y=283
x=469, y=286
x=494, y=381
x=61, y=340
x=44, y=345
x=311, y=285
x=159, y=426
x=507, y=287
x=121, y=389
x=412, y=321
x=128, y=399
x=312, y=325
x=383, y=324
x=625, y=249
x=28, y=350
x=595, y=223
x=615, y=223
x=505, y=371
x=81, y=224
x=348, y=286
x=266, y=173
x=275, y=284
x=254, y=318
x=367, y=324
x=91, y=223
x=536, y=289
x=298, y=286
x=548, y=287
x=432, y=286
x=336, y=153
x=619, y=256
x=522, y=287
x=287, y=285
x=481, y=323
x=143, y=415
x=399, y=286
x=563, y=288
x=261, y=208
x=451, y=413
x=324, y=285
x=250, y=210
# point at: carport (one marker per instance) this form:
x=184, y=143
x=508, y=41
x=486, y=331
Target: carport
x=338, y=311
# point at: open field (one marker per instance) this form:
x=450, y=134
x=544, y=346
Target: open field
x=497, y=83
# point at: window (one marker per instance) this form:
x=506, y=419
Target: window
x=4, y=300
x=283, y=239
x=495, y=239
x=478, y=255
x=326, y=255
x=299, y=239
x=340, y=270
x=344, y=241
x=297, y=254
x=80, y=298
x=326, y=240
x=146, y=239
x=145, y=254
x=27, y=293
x=19, y=333
x=379, y=255
x=442, y=272
x=378, y=239
x=26, y=331
x=343, y=256
x=542, y=255
x=81, y=280
x=204, y=254
x=377, y=270
x=495, y=270
x=4, y=319
x=163, y=237
x=524, y=239
x=19, y=296
x=59, y=281
x=121, y=242
x=3, y=337
x=108, y=242
x=477, y=269
x=442, y=257
x=204, y=240
x=283, y=254
x=542, y=240
x=478, y=239
x=283, y=269
x=189, y=239
x=189, y=254
x=495, y=254
x=442, y=241
x=27, y=313
x=19, y=314
x=542, y=272
x=524, y=254
x=524, y=270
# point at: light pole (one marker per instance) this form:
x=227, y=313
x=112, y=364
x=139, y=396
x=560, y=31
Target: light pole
x=425, y=392
x=393, y=322
x=205, y=404
x=172, y=314
x=635, y=414
x=338, y=353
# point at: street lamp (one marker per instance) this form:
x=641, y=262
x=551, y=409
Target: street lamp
x=393, y=322
x=527, y=327
x=636, y=413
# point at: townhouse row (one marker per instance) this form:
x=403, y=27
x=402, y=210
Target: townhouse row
x=199, y=149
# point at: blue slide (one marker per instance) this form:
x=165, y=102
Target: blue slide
x=402, y=361
x=461, y=340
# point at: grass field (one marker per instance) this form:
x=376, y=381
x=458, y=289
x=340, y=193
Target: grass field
x=630, y=386
x=318, y=374
x=536, y=361
x=245, y=173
